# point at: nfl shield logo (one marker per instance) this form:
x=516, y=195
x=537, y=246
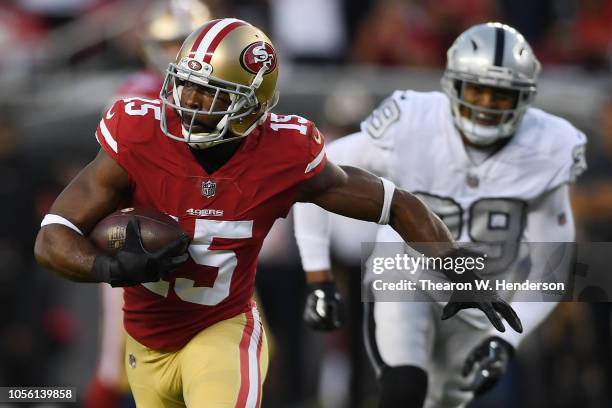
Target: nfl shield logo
x=209, y=188
x=472, y=180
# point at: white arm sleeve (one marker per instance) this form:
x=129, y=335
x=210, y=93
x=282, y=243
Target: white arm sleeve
x=549, y=219
x=312, y=232
x=312, y=223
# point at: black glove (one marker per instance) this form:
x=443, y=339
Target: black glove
x=133, y=265
x=486, y=300
x=487, y=363
x=324, y=308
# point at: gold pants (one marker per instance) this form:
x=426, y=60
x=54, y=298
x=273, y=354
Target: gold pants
x=222, y=366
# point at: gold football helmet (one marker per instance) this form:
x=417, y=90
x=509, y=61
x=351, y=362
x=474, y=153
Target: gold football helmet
x=168, y=23
x=225, y=56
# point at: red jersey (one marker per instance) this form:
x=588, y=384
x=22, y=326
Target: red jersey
x=227, y=213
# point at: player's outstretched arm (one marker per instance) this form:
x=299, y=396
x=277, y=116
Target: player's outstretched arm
x=358, y=194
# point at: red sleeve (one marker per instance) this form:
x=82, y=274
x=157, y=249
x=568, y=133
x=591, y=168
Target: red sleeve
x=302, y=146
x=128, y=127
x=294, y=151
x=108, y=134
x=128, y=122
x=316, y=157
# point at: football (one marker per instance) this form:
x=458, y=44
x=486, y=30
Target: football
x=156, y=230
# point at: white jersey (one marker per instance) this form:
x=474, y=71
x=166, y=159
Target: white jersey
x=411, y=139
x=517, y=194
x=423, y=153
x=483, y=201
x=480, y=201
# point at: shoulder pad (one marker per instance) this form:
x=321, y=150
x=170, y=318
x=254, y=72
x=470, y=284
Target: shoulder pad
x=387, y=113
x=127, y=121
x=557, y=142
x=303, y=143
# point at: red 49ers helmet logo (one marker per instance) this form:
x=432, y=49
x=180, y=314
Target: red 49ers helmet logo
x=194, y=65
x=258, y=55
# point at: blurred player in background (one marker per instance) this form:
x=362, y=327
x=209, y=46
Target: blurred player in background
x=166, y=26
x=496, y=171
x=211, y=154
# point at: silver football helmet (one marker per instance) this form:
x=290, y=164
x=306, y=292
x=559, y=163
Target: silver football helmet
x=495, y=55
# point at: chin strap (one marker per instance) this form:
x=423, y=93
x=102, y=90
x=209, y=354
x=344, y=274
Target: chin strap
x=208, y=145
x=220, y=130
x=256, y=83
x=477, y=134
x=177, y=91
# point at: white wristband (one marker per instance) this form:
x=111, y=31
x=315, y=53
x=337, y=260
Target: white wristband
x=56, y=219
x=389, y=189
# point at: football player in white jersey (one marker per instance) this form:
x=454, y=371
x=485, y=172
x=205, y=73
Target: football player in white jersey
x=494, y=169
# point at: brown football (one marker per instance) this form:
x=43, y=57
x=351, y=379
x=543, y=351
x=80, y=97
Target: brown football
x=156, y=229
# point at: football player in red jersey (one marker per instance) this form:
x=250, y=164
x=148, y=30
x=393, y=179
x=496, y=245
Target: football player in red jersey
x=211, y=154
x=167, y=25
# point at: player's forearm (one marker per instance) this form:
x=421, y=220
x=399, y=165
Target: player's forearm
x=354, y=193
x=359, y=194
x=66, y=252
x=415, y=223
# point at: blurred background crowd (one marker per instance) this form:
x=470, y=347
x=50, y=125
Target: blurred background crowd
x=61, y=62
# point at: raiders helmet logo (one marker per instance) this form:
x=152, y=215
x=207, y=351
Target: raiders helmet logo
x=258, y=55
